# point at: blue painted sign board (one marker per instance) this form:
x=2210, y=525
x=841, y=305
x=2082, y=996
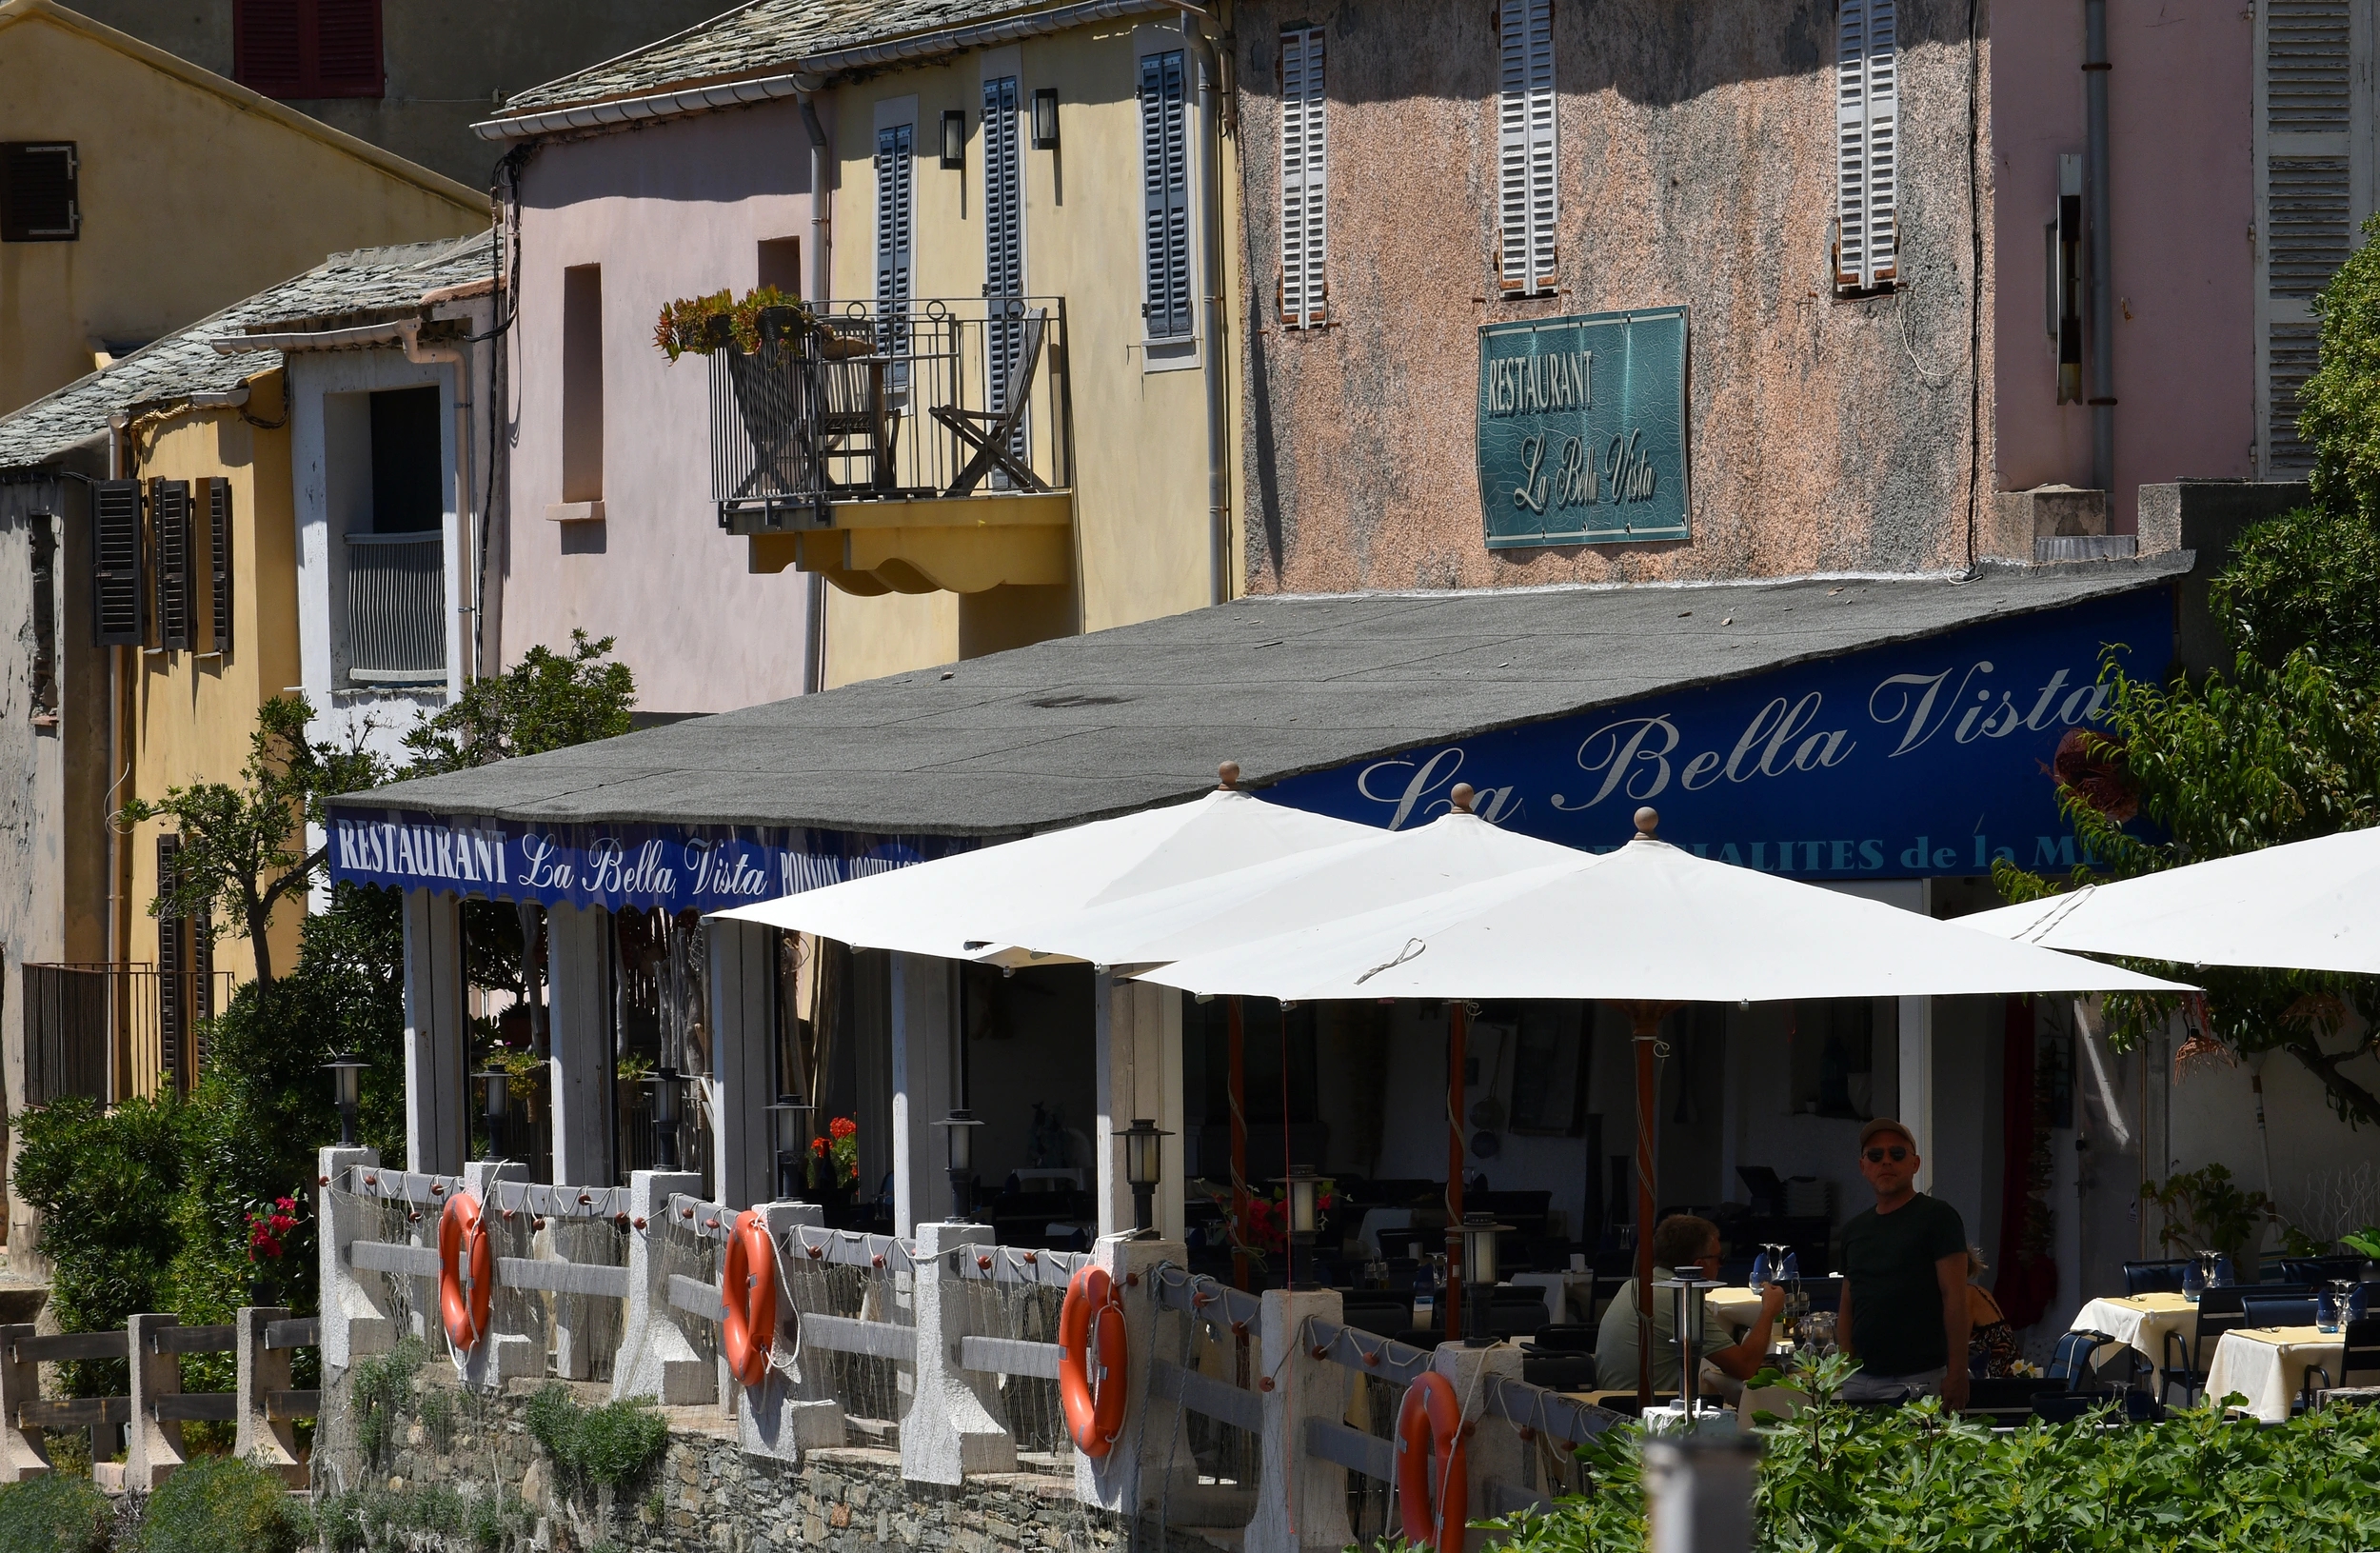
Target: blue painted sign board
x=1923, y=758
x=1583, y=430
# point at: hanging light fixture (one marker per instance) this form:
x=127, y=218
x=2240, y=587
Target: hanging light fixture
x=959, y=1130
x=495, y=1103
x=1478, y=1276
x=665, y=1108
x=1145, y=1167
x=347, y=1082
x=789, y=1128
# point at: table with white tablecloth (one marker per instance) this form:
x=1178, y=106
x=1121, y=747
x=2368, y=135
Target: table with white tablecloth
x=2140, y=1323
x=2268, y=1365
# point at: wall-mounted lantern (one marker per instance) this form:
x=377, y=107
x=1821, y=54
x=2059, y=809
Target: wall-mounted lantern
x=1045, y=118
x=955, y=139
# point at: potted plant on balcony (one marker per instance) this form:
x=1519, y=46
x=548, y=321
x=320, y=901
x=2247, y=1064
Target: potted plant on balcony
x=769, y=344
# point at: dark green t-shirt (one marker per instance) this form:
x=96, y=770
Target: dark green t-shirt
x=1895, y=1295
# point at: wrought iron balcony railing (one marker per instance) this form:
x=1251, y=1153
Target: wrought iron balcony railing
x=397, y=608
x=934, y=399
x=82, y=1020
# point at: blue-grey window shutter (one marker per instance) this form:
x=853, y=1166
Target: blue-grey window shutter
x=1166, y=181
x=1003, y=242
x=895, y=238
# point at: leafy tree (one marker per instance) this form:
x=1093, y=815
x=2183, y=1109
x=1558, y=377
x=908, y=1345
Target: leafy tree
x=2282, y=746
x=244, y=848
x=547, y=701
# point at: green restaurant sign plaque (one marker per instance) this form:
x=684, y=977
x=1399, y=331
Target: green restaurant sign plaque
x=1582, y=429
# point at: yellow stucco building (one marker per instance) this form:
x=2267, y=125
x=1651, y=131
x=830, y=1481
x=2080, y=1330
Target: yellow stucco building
x=143, y=192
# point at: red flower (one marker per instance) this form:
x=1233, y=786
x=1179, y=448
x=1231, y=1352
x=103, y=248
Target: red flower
x=842, y=1127
x=817, y=1147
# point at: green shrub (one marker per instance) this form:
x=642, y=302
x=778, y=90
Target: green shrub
x=55, y=1513
x=220, y=1504
x=370, y=1519
x=1862, y=1481
x=381, y=1395
x=610, y=1445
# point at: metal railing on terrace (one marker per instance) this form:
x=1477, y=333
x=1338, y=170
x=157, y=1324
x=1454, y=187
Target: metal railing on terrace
x=397, y=608
x=933, y=399
x=81, y=1019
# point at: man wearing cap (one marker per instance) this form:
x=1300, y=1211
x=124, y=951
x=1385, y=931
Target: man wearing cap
x=1904, y=1314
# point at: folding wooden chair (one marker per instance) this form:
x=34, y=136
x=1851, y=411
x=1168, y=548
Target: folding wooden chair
x=988, y=432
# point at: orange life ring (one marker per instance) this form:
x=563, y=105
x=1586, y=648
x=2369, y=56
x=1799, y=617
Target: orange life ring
x=1095, y=1413
x=467, y=1271
x=1430, y=1455
x=747, y=1284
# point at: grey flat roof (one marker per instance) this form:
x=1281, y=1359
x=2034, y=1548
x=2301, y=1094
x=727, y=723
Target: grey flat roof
x=1117, y=720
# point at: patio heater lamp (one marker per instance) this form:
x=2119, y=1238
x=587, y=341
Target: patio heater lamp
x=789, y=1122
x=347, y=1083
x=1045, y=118
x=1144, y=1166
x=665, y=1082
x=959, y=1128
x=495, y=1101
x=1478, y=1276
x=1303, y=1189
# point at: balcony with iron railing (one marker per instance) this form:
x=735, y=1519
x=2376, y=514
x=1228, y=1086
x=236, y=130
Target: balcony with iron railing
x=906, y=450
x=396, y=608
x=109, y=1030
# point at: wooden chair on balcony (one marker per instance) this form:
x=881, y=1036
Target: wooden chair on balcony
x=857, y=417
x=991, y=432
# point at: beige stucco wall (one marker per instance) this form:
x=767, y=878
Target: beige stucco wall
x=191, y=713
x=1140, y=508
x=193, y=195
x=1696, y=166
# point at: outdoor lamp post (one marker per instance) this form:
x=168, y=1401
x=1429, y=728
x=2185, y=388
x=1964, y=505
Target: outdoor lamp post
x=347, y=1082
x=1478, y=1276
x=1144, y=1166
x=960, y=1126
x=664, y=1107
x=788, y=1122
x=495, y=1100
x=1302, y=1187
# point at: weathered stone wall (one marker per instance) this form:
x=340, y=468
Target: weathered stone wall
x=1695, y=165
x=706, y=1496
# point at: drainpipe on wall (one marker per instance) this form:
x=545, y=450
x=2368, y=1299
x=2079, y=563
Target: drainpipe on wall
x=1211, y=260
x=822, y=293
x=119, y=850
x=2095, y=67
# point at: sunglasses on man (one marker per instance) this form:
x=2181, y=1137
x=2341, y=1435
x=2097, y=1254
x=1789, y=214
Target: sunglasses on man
x=1896, y=1153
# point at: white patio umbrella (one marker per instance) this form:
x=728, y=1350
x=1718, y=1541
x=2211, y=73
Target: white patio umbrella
x=956, y=906
x=1649, y=926
x=2305, y=905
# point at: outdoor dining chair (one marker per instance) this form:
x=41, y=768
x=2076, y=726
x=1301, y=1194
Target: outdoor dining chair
x=2294, y=1308
x=2318, y=1270
x=990, y=433
x=2220, y=1311
x=2359, y=1354
x=2153, y=1276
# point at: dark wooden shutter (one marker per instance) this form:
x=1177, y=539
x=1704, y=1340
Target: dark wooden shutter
x=118, y=600
x=219, y=562
x=307, y=47
x=40, y=191
x=173, y=970
x=202, y=987
x=170, y=522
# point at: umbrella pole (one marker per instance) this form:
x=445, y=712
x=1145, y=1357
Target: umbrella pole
x=1646, y=1017
x=1458, y=1037
x=1237, y=1046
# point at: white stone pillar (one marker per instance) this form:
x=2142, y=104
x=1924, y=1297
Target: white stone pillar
x=579, y=996
x=924, y=1089
x=953, y=1430
x=500, y=1355
x=21, y=1452
x=257, y=1436
x=1131, y=1476
x=1492, y=1450
x=789, y=1413
x=744, y=1060
x=437, y=1123
x=1137, y=1046
x=353, y=1323
x=1301, y=1499
x=153, y=1448
x=655, y=1360
x=1916, y=1110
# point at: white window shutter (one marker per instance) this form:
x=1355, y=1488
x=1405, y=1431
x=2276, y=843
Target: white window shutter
x=1165, y=184
x=2312, y=134
x=1304, y=182
x=1867, y=148
x=1527, y=165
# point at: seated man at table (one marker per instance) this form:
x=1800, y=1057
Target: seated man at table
x=1683, y=1247
x=1905, y=1304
